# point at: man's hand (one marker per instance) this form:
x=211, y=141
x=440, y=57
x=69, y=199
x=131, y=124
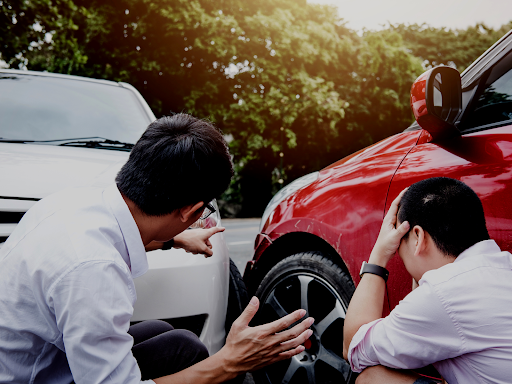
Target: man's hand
x=197, y=240
x=193, y=240
x=250, y=348
x=390, y=236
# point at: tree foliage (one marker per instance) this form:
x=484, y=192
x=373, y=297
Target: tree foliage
x=292, y=88
x=459, y=47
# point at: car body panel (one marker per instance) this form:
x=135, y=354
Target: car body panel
x=186, y=285
x=40, y=170
x=482, y=160
x=345, y=205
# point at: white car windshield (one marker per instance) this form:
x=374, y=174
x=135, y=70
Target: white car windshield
x=44, y=108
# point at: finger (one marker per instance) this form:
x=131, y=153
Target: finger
x=396, y=202
x=208, y=243
x=245, y=318
x=207, y=252
x=288, y=354
x=283, y=323
x=295, y=332
x=403, y=229
x=393, y=209
x=282, y=356
x=290, y=344
x=212, y=231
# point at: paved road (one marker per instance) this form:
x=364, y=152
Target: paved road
x=240, y=235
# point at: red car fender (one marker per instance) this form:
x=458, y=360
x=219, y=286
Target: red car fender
x=344, y=207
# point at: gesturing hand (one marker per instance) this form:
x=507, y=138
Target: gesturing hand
x=250, y=348
x=197, y=240
x=389, y=236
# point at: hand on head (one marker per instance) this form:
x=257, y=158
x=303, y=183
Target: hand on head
x=251, y=348
x=390, y=235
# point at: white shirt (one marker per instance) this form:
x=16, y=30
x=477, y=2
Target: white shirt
x=67, y=291
x=459, y=318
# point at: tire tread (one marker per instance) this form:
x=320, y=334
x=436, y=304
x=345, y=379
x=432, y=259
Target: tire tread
x=311, y=262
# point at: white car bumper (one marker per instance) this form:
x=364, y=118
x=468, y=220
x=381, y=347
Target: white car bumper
x=180, y=284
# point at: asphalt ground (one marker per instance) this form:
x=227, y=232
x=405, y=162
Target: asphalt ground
x=240, y=235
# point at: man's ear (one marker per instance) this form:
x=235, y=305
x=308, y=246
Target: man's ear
x=189, y=211
x=421, y=241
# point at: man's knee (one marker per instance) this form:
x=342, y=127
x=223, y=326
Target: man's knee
x=168, y=353
x=158, y=326
x=191, y=348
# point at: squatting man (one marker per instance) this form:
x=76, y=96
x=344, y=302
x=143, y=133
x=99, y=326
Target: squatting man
x=67, y=270
x=459, y=318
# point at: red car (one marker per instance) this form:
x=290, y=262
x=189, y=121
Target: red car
x=316, y=232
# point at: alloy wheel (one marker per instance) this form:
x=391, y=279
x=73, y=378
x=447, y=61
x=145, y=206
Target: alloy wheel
x=322, y=361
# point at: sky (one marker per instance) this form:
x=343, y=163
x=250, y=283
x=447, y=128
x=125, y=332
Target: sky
x=373, y=14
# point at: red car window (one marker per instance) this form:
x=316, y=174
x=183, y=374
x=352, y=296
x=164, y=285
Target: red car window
x=494, y=105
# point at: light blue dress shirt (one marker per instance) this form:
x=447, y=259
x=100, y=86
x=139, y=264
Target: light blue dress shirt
x=459, y=319
x=67, y=291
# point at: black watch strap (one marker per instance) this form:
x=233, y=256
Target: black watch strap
x=374, y=269
x=168, y=244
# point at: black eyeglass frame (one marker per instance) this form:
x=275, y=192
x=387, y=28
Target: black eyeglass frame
x=211, y=210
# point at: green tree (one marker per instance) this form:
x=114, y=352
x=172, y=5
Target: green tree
x=292, y=88
x=444, y=46
x=42, y=35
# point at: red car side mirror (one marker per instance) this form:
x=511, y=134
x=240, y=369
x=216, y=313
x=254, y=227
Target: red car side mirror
x=436, y=101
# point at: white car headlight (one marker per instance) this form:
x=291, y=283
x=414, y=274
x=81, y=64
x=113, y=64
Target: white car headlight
x=285, y=192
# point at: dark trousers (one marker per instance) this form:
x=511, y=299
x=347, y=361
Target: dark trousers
x=161, y=350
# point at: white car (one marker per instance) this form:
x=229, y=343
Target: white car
x=60, y=131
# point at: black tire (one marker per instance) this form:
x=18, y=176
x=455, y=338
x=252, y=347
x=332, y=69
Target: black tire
x=313, y=282
x=238, y=299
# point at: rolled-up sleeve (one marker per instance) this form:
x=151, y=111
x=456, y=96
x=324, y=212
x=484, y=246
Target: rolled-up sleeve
x=93, y=305
x=418, y=332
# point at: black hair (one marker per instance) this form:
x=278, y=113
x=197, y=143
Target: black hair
x=448, y=210
x=179, y=160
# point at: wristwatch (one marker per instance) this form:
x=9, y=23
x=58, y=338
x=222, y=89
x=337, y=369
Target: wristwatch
x=374, y=269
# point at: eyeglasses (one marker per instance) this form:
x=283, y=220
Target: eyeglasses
x=208, y=210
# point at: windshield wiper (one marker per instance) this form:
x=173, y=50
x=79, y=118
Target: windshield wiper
x=98, y=143
x=2, y=140
x=87, y=142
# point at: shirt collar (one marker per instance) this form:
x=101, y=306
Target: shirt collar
x=137, y=258
x=484, y=247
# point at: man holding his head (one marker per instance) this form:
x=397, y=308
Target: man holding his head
x=67, y=270
x=459, y=318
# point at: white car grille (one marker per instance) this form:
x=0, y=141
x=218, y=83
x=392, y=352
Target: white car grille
x=8, y=221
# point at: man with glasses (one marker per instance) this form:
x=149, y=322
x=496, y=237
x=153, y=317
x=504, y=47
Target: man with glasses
x=66, y=274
